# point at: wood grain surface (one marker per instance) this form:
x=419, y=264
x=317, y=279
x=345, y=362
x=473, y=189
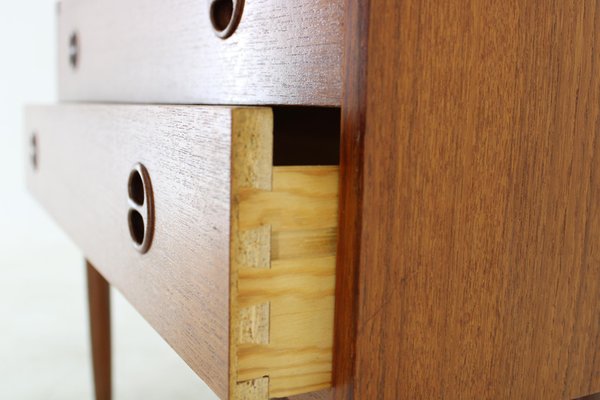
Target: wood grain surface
x=100, y=332
x=595, y=396
x=351, y=192
x=295, y=286
x=477, y=268
x=181, y=286
x=326, y=394
x=166, y=52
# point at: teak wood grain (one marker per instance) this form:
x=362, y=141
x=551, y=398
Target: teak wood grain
x=240, y=275
x=100, y=332
x=475, y=271
x=181, y=286
x=283, y=52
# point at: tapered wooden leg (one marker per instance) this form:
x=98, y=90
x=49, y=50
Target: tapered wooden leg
x=99, y=314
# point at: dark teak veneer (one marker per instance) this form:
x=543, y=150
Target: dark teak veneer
x=100, y=332
x=469, y=237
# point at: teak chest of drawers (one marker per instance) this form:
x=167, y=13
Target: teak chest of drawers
x=336, y=200
x=230, y=257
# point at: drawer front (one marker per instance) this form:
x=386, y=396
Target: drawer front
x=239, y=275
x=281, y=52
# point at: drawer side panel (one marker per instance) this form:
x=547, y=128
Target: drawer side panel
x=181, y=286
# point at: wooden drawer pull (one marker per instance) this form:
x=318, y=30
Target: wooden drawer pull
x=140, y=217
x=73, y=50
x=225, y=15
x=33, y=150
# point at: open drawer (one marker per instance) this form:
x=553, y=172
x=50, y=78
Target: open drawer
x=232, y=260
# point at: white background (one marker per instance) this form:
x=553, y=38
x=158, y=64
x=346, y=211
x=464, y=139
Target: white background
x=44, y=349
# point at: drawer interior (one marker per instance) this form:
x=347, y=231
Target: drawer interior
x=306, y=136
x=283, y=247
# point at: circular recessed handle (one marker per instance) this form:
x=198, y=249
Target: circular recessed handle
x=74, y=50
x=140, y=217
x=33, y=150
x=225, y=15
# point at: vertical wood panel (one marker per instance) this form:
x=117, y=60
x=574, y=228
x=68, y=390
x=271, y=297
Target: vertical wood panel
x=351, y=195
x=479, y=268
x=100, y=332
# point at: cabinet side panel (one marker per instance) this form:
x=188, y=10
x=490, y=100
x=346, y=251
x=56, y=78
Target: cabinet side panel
x=479, y=268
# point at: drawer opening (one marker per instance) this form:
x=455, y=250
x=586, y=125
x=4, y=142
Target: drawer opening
x=306, y=136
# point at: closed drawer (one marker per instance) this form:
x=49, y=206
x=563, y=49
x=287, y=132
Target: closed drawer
x=239, y=274
x=282, y=52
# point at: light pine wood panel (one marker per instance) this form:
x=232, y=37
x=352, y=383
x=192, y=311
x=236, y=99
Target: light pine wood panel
x=283, y=52
x=470, y=167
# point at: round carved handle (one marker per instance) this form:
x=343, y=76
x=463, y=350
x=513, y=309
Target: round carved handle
x=225, y=15
x=73, y=50
x=33, y=150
